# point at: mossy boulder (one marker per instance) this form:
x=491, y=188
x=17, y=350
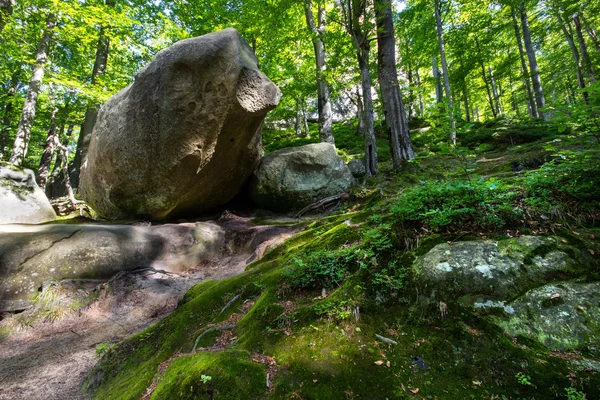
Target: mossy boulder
x=563, y=316
x=498, y=270
x=21, y=200
x=292, y=178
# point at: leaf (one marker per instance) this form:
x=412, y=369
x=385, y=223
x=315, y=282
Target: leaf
x=562, y=128
x=379, y=362
x=414, y=391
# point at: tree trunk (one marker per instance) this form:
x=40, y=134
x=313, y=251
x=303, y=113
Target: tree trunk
x=318, y=39
x=395, y=114
x=438, y=19
x=46, y=159
x=485, y=80
x=540, y=100
x=591, y=31
x=359, y=112
x=515, y=103
x=353, y=15
x=24, y=130
x=439, y=91
x=495, y=92
x=420, y=95
x=569, y=36
x=466, y=100
x=532, y=108
x=585, y=56
x=6, y=121
x=298, y=118
x=91, y=114
x=305, y=118
x=410, y=113
x=6, y=9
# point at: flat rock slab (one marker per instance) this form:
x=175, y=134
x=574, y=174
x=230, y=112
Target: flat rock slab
x=32, y=255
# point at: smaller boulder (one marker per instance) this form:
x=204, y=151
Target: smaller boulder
x=23, y=202
x=357, y=168
x=292, y=178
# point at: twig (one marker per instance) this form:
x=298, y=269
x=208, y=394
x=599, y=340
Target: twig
x=214, y=328
x=321, y=203
x=386, y=340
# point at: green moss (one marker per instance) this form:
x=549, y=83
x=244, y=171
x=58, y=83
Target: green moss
x=225, y=375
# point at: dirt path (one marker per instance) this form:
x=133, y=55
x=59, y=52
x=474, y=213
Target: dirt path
x=49, y=360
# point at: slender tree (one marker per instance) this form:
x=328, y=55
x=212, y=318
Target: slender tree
x=395, y=113
x=495, y=92
x=51, y=142
x=24, y=130
x=318, y=38
x=8, y=109
x=355, y=17
x=439, y=90
x=567, y=32
x=91, y=114
x=440, y=34
x=585, y=56
x=540, y=100
x=532, y=107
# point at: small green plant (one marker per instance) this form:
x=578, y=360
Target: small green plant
x=205, y=378
x=573, y=394
x=523, y=379
x=103, y=348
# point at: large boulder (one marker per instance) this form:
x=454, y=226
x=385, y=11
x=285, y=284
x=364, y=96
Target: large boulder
x=185, y=136
x=21, y=200
x=292, y=178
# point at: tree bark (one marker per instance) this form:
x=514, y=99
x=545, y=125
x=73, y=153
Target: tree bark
x=8, y=109
x=439, y=91
x=6, y=9
x=359, y=112
x=24, y=130
x=51, y=142
x=591, y=31
x=420, y=95
x=354, y=11
x=466, y=100
x=540, y=100
x=91, y=114
x=585, y=56
x=395, y=114
x=438, y=19
x=569, y=36
x=495, y=92
x=532, y=107
x=318, y=39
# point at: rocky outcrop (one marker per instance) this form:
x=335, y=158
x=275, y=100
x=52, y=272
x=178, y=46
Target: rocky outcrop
x=292, y=178
x=21, y=200
x=498, y=269
x=185, y=136
x=357, y=168
x=31, y=256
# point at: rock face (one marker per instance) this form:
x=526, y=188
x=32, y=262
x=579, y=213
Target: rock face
x=358, y=168
x=21, y=200
x=33, y=255
x=185, y=136
x=292, y=178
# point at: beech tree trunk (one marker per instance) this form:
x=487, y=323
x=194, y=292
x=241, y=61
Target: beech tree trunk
x=532, y=107
x=566, y=29
x=354, y=11
x=46, y=159
x=420, y=95
x=359, y=112
x=495, y=92
x=91, y=114
x=24, y=130
x=438, y=19
x=318, y=39
x=585, y=56
x=439, y=92
x=8, y=109
x=591, y=31
x=6, y=9
x=540, y=100
x=395, y=114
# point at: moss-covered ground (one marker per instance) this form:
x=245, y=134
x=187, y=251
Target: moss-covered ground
x=356, y=329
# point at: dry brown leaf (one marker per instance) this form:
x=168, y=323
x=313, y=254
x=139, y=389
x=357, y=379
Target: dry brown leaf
x=379, y=362
x=414, y=391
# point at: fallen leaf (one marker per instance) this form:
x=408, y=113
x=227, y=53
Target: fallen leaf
x=315, y=380
x=592, y=252
x=379, y=362
x=555, y=296
x=477, y=383
x=580, y=308
x=414, y=391
x=388, y=364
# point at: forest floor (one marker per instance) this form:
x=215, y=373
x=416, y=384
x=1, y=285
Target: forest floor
x=48, y=352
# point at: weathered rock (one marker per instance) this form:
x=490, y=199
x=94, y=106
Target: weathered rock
x=357, y=168
x=21, y=200
x=563, y=316
x=498, y=270
x=32, y=255
x=185, y=136
x=292, y=178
